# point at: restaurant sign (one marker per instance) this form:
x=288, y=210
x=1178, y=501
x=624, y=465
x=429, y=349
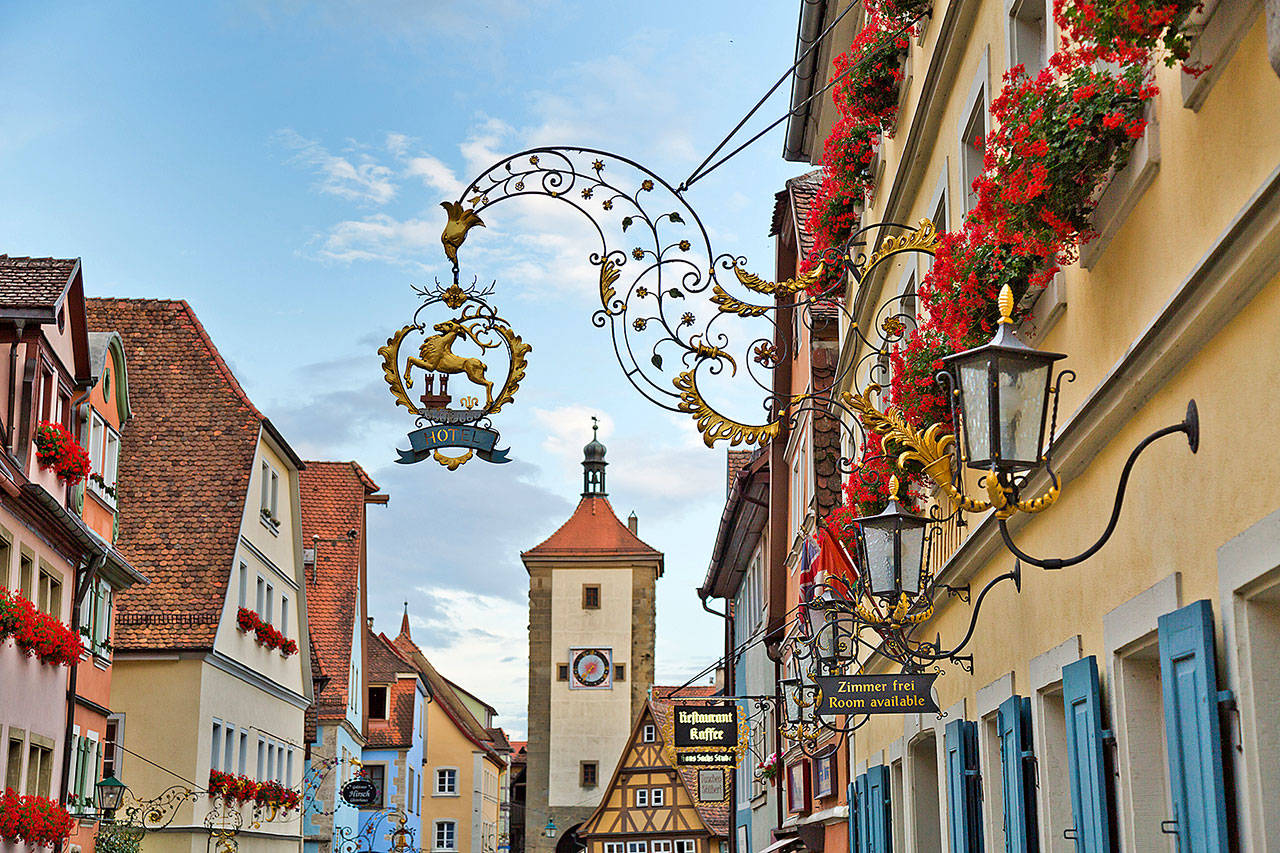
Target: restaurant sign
x=844, y=695
x=708, y=735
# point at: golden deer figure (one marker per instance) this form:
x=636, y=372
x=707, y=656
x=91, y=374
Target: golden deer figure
x=436, y=355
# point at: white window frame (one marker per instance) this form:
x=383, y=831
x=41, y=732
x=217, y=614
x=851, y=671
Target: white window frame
x=657, y=797
x=613, y=847
x=642, y=798
x=1019, y=34
x=1049, y=736
x=660, y=846
x=451, y=843
x=636, y=847
x=442, y=773
x=686, y=845
x=215, y=751
x=284, y=615
x=649, y=734
x=977, y=105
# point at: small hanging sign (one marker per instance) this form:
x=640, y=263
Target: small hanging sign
x=844, y=695
x=705, y=735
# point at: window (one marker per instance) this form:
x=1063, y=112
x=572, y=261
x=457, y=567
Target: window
x=244, y=751
x=244, y=585
x=288, y=771
x=619, y=672
x=377, y=774
x=271, y=760
x=649, y=733
x=229, y=750
x=660, y=847
x=270, y=495
x=39, y=769
x=13, y=764
x=635, y=847
x=1139, y=704
x=260, y=599
x=922, y=755
x=261, y=775
x=446, y=782
x=686, y=845
x=112, y=758
x=642, y=797
x=657, y=797
x=26, y=576
x=284, y=614
x=446, y=835
x=971, y=152
x=1028, y=35
x=378, y=702
x=562, y=672
x=588, y=774
x=104, y=457
x=410, y=786
x=590, y=596
x=216, y=750
x=613, y=847
x=50, y=598
x=271, y=605
x=6, y=558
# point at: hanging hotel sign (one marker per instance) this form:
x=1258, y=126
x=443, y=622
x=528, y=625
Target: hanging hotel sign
x=844, y=695
x=359, y=793
x=443, y=423
x=706, y=735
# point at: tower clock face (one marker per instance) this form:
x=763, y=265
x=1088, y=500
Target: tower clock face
x=590, y=668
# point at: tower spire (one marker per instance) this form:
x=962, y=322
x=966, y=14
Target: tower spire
x=593, y=463
x=404, y=621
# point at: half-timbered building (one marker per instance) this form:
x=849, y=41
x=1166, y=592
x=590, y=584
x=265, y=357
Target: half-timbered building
x=650, y=805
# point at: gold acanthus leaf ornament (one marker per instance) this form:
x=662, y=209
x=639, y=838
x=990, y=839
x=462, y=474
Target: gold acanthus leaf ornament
x=391, y=369
x=609, y=274
x=461, y=220
x=782, y=288
x=924, y=238
x=728, y=305
x=715, y=426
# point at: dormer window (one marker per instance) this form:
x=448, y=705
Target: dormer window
x=104, y=458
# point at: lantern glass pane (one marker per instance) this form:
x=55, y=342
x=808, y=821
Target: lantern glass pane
x=975, y=405
x=879, y=542
x=1023, y=386
x=912, y=557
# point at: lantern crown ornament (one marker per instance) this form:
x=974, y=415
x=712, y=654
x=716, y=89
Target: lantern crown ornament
x=593, y=464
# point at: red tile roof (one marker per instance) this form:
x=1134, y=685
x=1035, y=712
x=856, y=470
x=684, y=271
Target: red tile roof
x=333, y=506
x=185, y=461
x=593, y=530
x=794, y=203
x=35, y=282
x=385, y=665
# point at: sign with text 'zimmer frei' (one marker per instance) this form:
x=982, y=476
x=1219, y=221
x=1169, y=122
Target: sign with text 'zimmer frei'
x=706, y=735
x=844, y=695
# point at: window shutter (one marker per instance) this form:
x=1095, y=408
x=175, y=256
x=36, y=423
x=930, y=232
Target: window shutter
x=877, y=808
x=964, y=786
x=853, y=817
x=860, y=807
x=1189, y=677
x=1017, y=762
x=1087, y=772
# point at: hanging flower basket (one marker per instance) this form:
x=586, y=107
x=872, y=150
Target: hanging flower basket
x=38, y=821
x=57, y=450
x=38, y=634
x=242, y=789
x=265, y=635
x=768, y=768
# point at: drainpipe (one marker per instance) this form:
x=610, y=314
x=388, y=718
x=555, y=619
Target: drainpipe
x=20, y=326
x=811, y=15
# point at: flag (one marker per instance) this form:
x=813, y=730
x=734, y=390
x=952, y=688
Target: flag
x=833, y=561
x=808, y=581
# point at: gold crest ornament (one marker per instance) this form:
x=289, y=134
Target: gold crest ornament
x=488, y=384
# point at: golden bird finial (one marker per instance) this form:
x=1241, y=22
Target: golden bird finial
x=460, y=221
x=1006, y=304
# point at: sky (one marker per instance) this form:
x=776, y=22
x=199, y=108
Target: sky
x=279, y=164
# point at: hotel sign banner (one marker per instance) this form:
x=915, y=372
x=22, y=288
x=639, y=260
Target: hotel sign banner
x=844, y=695
x=708, y=735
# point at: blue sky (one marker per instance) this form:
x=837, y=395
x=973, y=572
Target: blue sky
x=279, y=165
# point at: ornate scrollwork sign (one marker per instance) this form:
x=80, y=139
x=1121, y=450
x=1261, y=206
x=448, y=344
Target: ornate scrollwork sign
x=475, y=324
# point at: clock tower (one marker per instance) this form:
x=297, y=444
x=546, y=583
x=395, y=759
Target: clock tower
x=591, y=636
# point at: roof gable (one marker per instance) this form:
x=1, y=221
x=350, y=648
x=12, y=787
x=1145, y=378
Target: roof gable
x=187, y=453
x=442, y=692
x=593, y=531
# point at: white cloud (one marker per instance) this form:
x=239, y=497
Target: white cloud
x=380, y=238
x=364, y=180
x=433, y=173
x=481, y=648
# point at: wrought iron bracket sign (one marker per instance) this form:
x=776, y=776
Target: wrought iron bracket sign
x=705, y=735
x=843, y=695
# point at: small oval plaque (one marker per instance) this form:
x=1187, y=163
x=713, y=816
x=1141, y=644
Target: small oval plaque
x=360, y=793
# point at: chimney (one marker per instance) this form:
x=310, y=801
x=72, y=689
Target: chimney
x=633, y=524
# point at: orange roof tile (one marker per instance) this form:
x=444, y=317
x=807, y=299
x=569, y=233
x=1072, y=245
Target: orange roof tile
x=592, y=531
x=185, y=461
x=385, y=665
x=333, y=506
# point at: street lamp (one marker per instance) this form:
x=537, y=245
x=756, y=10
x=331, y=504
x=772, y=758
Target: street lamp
x=891, y=547
x=108, y=795
x=1003, y=390
x=550, y=829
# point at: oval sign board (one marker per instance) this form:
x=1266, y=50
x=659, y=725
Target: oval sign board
x=360, y=793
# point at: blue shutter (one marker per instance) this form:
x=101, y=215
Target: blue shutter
x=877, y=809
x=964, y=786
x=853, y=818
x=1189, y=677
x=1013, y=722
x=1087, y=772
x=861, y=819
